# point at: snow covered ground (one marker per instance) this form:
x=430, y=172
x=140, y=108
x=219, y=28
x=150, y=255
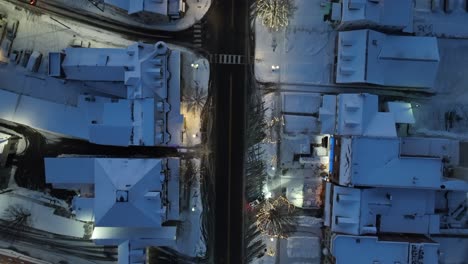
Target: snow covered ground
x=431, y=18
x=195, y=11
x=303, y=246
x=304, y=50
x=189, y=236
x=41, y=206
x=451, y=94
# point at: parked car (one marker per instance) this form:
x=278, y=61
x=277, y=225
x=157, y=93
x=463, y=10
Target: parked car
x=256, y=202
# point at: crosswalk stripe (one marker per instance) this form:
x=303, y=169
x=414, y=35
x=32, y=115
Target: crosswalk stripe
x=228, y=59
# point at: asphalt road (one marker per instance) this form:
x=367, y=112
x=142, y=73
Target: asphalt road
x=227, y=25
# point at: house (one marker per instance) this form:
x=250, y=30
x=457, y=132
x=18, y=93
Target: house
x=371, y=57
x=150, y=115
x=359, y=115
x=391, y=15
x=401, y=249
x=300, y=113
x=358, y=211
x=394, y=162
x=130, y=201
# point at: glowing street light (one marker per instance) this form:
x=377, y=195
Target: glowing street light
x=193, y=209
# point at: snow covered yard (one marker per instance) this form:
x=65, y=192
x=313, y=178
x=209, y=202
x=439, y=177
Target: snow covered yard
x=433, y=19
x=302, y=246
x=304, y=50
x=433, y=115
x=42, y=209
x=189, y=236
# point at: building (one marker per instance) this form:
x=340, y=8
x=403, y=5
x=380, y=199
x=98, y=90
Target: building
x=300, y=112
x=130, y=201
x=150, y=115
x=402, y=249
x=371, y=57
x=172, y=9
x=359, y=115
x=388, y=196
x=365, y=149
x=391, y=15
x=394, y=162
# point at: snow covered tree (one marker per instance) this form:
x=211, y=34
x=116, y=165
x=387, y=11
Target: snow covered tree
x=276, y=217
x=275, y=14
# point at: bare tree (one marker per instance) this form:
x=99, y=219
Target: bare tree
x=276, y=217
x=17, y=216
x=16, y=220
x=275, y=14
x=195, y=98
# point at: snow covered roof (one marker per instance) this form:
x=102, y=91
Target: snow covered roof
x=388, y=249
x=298, y=124
x=395, y=14
x=128, y=193
x=95, y=64
x=367, y=161
x=136, y=6
x=150, y=72
x=327, y=114
x=402, y=112
x=301, y=103
x=366, y=56
x=58, y=172
x=83, y=208
x=358, y=115
x=401, y=211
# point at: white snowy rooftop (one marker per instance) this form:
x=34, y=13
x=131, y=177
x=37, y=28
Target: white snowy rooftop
x=393, y=162
x=395, y=14
x=385, y=249
x=136, y=6
x=382, y=210
x=132, y=197
x=358, y=115
x=366, y=56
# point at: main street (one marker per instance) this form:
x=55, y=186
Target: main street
x=228, y=26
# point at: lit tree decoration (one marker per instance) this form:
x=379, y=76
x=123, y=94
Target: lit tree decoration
x=275, y=14
x=276, y=217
